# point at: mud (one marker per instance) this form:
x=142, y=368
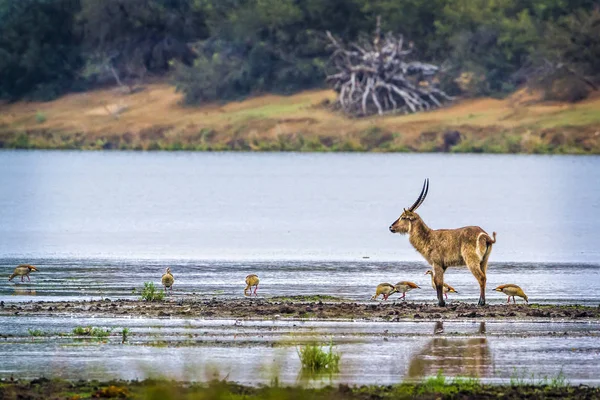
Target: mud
x=147, y=389
x=297, y=309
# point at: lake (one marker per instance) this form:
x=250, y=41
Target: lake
x=100, y=224
x=287, y=206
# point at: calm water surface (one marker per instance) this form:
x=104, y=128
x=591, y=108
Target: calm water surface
x=101, y=224
x=235, y=206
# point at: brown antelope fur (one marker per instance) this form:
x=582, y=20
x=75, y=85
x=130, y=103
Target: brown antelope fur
x=251, y=280
x=443, y=248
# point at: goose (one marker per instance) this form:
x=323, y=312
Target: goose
x=447, y=288
x=512, y=290
x=404, y=287
x=23, y=270
x=385, y=289
x=251, y=280
x=167, y=279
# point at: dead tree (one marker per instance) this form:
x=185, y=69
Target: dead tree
x=378, y=77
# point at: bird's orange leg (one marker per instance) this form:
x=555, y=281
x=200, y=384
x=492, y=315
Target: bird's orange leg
x=446, y=294
x=29, y=280
x=255, y=289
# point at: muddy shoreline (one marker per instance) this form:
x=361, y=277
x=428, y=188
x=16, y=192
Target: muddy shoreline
x=299, y=308
x=60, y=389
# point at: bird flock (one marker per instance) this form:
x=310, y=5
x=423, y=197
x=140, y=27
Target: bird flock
x=383, y=289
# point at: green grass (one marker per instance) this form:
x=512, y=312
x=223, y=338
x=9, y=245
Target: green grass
x=151, y=293
x=315, y=360
x=40, y=117
x=36, y=332
x=124, y=334
x=524, y=378
x=91, y=331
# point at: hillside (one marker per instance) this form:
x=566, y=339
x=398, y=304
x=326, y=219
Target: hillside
x=154, y=119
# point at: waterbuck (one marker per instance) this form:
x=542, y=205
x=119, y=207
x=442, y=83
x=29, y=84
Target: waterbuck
x=443, y=248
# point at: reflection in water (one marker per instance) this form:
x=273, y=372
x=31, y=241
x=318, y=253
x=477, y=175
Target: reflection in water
x=18, y=291
x=457, y=357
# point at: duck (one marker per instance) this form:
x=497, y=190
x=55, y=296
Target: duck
x=404, y=287
x=251, y=280
x=447, y=288
x=512, y=290
x=167, y=279
x=385, y=289
x=23, y=270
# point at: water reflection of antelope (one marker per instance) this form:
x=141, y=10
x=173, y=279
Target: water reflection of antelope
x=457, y=357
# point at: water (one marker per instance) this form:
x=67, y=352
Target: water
x=102, y=224
x=76, y=279
x=252, y=352
x=203, y=206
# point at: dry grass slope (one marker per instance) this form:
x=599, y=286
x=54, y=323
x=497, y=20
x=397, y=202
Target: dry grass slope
x=154, y=119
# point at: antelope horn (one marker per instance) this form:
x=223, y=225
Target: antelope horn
x=421, y=196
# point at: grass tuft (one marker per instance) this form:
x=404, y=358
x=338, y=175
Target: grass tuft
x=91, y=331
x=315, y=360
x=36, y=332
x=151, y=293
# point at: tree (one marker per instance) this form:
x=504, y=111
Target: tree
x=39, y=48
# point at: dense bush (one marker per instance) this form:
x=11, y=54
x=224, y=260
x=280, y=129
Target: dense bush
x=225, y=49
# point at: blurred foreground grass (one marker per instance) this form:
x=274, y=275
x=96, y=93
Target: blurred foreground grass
x=157, y=389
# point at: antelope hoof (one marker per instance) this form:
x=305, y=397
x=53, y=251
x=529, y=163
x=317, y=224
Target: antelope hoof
x=481, y=302
x=442, y=303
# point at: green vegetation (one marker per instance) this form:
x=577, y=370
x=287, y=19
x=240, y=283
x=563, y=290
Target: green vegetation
x=523, y=378
x=36, y=332
x=151, y=293
x=223, y=50
x=124, y=334
x=40, y=117
x=315, y=360
x=91, y=331
x=217, y=389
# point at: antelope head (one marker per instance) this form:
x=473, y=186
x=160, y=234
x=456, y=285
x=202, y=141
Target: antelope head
x=403, y=223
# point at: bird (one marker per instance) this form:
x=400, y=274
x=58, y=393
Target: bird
x=404, y=287
x=385, y=289
x=512, y=290
x=22, y=271
x=251, y=280
x=167, y=279
x=447, y=288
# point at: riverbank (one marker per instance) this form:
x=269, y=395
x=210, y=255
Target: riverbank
x=299, y=308
x=433, y=388
x=154, y=119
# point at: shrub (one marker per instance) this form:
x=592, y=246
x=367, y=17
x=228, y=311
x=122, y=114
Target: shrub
x=91, y=331
x=40, y=117
x=316, y=360
x=151, y=293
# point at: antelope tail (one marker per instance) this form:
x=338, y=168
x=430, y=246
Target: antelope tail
x=488, y=248
x=490, y=240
